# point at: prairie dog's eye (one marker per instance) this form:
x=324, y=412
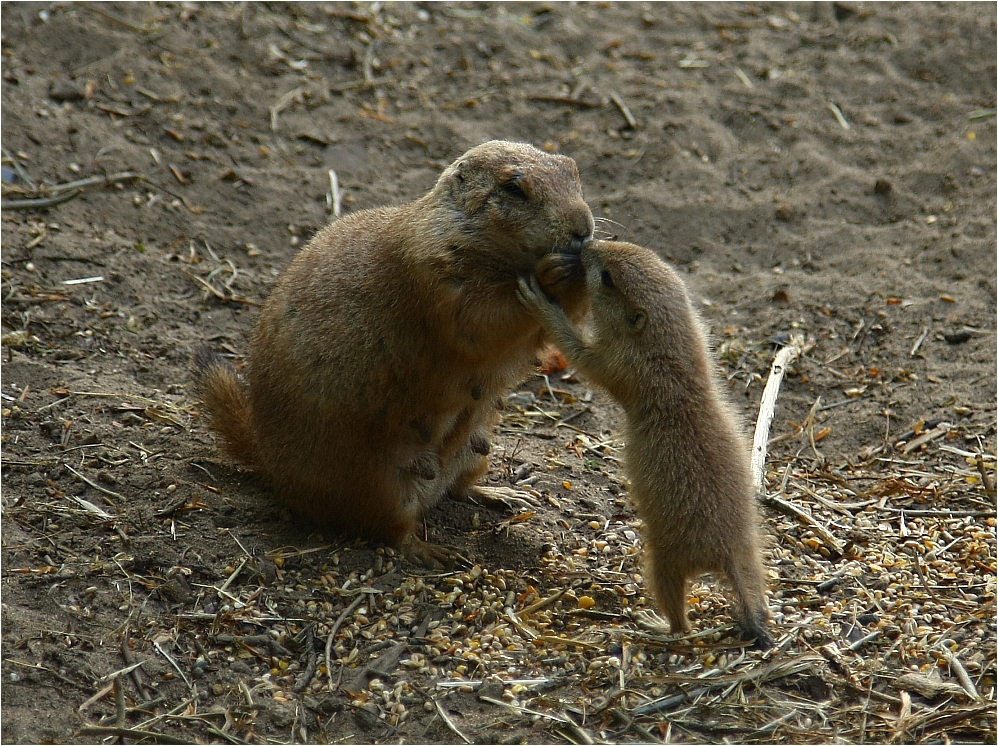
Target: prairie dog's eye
x=607, y=280
x=514, y=189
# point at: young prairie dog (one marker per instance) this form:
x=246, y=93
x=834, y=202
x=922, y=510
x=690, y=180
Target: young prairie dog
x=379, y=357
x=687, y=462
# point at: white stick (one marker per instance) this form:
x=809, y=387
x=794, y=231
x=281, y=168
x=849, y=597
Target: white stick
x=767, y=408
x=334, y=193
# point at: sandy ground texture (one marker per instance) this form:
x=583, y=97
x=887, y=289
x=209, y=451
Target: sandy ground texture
x=818, y=170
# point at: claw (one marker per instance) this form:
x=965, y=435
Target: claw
x=525, y=292
x=649, y=621
x=434, y=556
x=502, y=498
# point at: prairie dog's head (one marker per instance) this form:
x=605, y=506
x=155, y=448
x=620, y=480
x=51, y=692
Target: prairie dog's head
x=516, y=203
x=637, y=296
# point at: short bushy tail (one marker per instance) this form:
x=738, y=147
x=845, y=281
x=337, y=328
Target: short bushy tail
x=226, y=404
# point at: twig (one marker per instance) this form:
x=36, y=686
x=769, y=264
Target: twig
x=144, y=735
x=248, y=640
x=773, y=724
x=30, y=204
x=283, y=103
x=961, y=673
x=228, y=582
x=172, y=662
x=863, y=640
x=940, y=513
x=524, y=629
x=101, y=693
x=631, y=121
x=176, y=195
x=934, y=720
x=334, y=193
x=666, y=703
x=941, y=429
x=829, y=539
x=743, y=77
x=777, y=668
x=134, y=668
x=119, y=702
x=986, y=481
x=767, y=408
x=60, y=193
x=918, y=342
x=810, y=427
x=845, y=509
x=838, y=116
x=111, y=17
x=42, y=235
x=25, y=177
x=313, y=661
x=368, y=65
x=570, y=100
x=573, y=733
x=83, y=280
x=218, y=293
x=354, y=84
x=527, y=710
x=543, y=602
x=832, y=579
x=447, y=721
x=95, y=485
x=477, y=684
x=332, y=633
x=94, y=181
x=925, y=582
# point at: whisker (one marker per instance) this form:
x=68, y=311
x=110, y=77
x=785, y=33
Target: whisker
x=598, y=219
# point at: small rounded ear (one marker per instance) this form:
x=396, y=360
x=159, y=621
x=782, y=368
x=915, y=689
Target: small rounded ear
x=637, y=320
x=468, y=197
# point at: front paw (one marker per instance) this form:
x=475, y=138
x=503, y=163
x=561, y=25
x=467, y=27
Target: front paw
x=563, y=278
x=557, y=272
x=531, y=295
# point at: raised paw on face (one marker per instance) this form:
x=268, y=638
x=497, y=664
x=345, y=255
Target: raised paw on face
x=556, y=272
x=531, y=295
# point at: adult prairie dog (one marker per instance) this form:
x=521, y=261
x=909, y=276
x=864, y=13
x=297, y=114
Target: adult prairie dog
x=377, y=361
x=687, y=463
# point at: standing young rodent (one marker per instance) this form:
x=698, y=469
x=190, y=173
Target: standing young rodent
x=686, y=461
x=378, y=359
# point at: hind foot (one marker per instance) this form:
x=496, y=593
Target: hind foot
x=757, y=629
x=434, y=556
x=500, y=498
x=649, y=621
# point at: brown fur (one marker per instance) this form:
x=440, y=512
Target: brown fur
x=686, y=460
x=378, y=359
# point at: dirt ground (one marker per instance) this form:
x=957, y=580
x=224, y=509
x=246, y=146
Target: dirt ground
x=814, y=169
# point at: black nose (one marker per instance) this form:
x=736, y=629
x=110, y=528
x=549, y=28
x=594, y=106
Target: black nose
x=579, y=241
x=582, y=235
